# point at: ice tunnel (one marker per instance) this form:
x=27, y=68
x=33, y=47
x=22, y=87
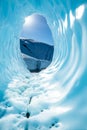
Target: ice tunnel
x=55, y=98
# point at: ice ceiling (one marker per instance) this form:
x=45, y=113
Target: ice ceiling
x=56, y=97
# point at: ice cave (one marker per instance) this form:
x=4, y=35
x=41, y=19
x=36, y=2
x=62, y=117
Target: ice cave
x=55, y=98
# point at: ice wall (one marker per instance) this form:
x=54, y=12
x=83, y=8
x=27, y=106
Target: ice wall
x=59, y=93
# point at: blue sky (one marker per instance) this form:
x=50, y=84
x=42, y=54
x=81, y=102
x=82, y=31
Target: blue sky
x=36, y=28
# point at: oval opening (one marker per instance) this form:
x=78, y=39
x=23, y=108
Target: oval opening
x=36, y=43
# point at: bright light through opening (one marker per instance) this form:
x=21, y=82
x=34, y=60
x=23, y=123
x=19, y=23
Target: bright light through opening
x=29, y=20
x=36, y=43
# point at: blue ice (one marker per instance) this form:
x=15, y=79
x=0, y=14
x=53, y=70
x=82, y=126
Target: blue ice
x=56, y=97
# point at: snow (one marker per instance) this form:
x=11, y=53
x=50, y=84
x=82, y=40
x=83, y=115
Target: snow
x=37, y=55
x=59, y=92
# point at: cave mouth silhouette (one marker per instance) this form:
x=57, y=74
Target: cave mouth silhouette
x=36, y=43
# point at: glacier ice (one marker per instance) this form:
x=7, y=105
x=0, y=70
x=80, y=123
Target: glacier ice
x=37, y=55
x=58, y=94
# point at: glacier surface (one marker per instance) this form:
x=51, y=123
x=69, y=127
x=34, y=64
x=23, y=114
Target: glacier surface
x=37, y=55
x=56, y=97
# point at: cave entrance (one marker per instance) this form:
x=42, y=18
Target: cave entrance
x=36, y=43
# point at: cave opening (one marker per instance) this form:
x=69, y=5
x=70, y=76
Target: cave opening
x=36, y=43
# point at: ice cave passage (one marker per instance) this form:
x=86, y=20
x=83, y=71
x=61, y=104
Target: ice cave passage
x=55, y=98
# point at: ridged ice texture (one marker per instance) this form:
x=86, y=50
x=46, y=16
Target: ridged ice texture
x=58, y=94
